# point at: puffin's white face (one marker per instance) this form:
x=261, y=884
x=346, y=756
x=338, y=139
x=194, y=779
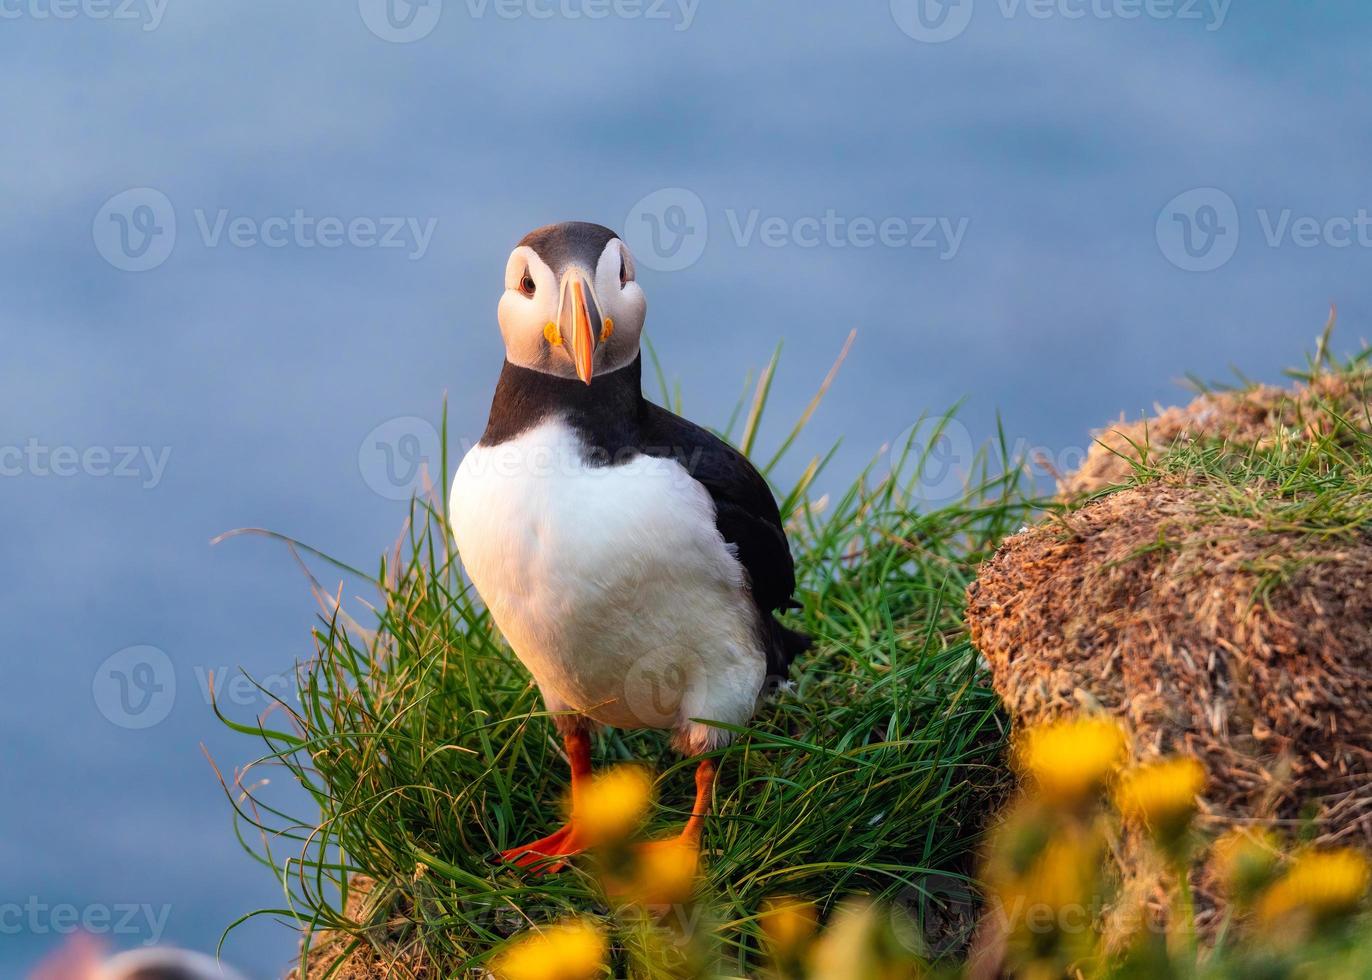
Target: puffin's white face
x=580, y=317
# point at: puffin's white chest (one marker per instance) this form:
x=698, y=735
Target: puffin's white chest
x=611, y=583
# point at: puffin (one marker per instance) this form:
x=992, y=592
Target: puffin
x=634, y=562
x=82, y=958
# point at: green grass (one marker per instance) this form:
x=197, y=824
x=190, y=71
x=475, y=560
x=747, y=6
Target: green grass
x=425, y=748
x=1310, y=486
x=1311, y=481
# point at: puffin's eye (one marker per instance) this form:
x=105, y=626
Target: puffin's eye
x=626, y=269
x=526, y=285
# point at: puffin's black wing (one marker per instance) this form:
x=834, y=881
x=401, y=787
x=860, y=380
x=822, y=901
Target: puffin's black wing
x=747, y=516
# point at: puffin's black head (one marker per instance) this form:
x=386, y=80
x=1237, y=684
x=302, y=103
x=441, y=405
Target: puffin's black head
x=571, y=306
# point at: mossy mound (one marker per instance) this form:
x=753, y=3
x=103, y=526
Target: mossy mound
x=1209, y=633
x=1207, y=580
x=1255, y=417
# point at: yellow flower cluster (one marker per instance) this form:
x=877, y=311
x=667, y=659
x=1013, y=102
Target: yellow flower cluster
x=1162, y=796
x=655, y=874
x=573, y=950
x=1045, y=867
x=788, y=923
x=1070, y=761
x=615, y=805
x=1319, y=884
x=1051, y=901
x=1061, y=876
x=859, y=945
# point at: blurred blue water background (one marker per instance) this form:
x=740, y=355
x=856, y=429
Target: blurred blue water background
x=246, y=248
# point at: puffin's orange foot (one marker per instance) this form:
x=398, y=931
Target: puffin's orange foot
x=542, y=856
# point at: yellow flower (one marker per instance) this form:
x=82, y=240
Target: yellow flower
x=1071, y=760
x=1245, y=859
x=614, y=805
x=572, y=950
x=1162, y=796
x=859, y=945
x=1321, y=884
x=1046, y=901
x=655, y=874
x=787, y=923
x=1061, y=876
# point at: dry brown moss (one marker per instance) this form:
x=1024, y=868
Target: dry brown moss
x=1252, y=417
x=1157, y=606
x=1221, y=607
x=338, y=956
x=1209, y=629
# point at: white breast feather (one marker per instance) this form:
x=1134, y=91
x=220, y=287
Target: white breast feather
x=611, y=583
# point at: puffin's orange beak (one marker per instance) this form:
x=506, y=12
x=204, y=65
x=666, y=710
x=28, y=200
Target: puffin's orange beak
x=579, y=322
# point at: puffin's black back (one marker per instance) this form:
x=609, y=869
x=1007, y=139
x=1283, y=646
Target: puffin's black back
x=616, y=424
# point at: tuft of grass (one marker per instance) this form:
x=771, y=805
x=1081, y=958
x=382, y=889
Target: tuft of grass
x=1310, y=479
x=426, y=748
x=1311, y=475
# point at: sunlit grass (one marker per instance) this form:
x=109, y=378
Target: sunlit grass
x=424, y=745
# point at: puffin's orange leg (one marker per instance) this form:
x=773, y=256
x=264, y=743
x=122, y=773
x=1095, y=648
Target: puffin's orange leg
x=541, y=855
x=705, y=800
x=690, y=834
x=665, y=872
